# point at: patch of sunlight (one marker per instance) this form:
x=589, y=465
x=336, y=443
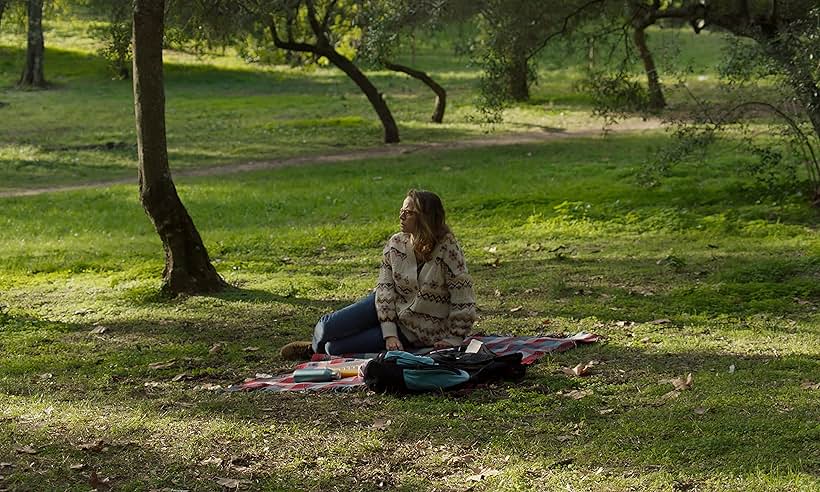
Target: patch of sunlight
x=23, y=152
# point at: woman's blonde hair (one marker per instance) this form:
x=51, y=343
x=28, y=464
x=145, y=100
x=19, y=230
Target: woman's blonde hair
x=431, y=226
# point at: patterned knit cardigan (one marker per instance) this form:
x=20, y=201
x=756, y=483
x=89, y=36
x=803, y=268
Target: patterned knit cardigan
x=437, y=303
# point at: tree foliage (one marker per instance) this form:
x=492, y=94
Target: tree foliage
x=388, y=24
x=785, y=37
x=326, y=30
x=114, y=34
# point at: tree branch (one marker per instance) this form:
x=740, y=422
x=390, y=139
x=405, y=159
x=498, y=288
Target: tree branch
x=788, y=119
x=564, y=26
x=326, y=20
x=289, y=44
x=321, y=38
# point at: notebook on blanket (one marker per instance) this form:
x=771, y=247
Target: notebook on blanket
x=532, y=348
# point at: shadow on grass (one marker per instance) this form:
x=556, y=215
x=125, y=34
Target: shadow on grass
x=258, y=296
x=646, y=289
x=755, y=418
x=127, y=460
x=75, y=68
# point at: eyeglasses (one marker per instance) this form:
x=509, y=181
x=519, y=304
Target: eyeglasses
x=405, y=212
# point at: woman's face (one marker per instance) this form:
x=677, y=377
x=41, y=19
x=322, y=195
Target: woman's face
x=408, y=215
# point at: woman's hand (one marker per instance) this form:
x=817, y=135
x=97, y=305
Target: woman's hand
x=393, y=343
x=442, y=344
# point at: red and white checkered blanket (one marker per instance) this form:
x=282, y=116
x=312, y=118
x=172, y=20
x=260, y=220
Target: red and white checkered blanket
x=285, y=382
x=532, y=348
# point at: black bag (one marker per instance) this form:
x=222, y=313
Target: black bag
x=401, y=372
x=484, y=365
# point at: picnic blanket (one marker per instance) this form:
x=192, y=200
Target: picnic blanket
x=532, y=348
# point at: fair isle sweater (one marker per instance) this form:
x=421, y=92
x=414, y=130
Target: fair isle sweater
x=428, y=305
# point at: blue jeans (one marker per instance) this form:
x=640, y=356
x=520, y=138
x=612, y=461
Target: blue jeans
x=353, y=329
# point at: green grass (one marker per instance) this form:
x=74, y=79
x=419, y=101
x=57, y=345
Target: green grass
x=559, y=228
x=736, y=276
x=83, y=129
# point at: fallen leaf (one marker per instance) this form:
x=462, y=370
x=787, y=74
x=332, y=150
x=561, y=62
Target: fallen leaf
x=581, y=369
x=263, y=375
x=215, y=349
x=700, y=410
x=497, y=293
x=682, y=384
x=27, y=450
x=563, y=462
x=809, y=385
x=250, y=349
x=162, y=365
x=97, y=483
x=671, y=395
x=465, y=459
x=98, y=330
x=732, y=369
x=211, y=461
x=578, y=394
x=208, y=387
x=565, y=438
x=179, y=377
x=97, y=445
x=644, y=339
x=661, y=321
x=232, y=483
x=381, y=424
x=492, y=249
x=77, y=466
x=6, y=465
x=152, y=384
x=605, y=411
x=481, y=475
x=516, y=309
x=46, y=375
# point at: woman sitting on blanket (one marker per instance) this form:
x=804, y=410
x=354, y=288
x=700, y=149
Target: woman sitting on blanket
x=423, y=298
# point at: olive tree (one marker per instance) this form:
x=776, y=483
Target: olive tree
x=188, y=268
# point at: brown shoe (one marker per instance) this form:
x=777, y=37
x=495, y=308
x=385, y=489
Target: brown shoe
x=297, y=351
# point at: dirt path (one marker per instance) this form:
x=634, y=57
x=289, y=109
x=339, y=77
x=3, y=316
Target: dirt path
x=534, y=136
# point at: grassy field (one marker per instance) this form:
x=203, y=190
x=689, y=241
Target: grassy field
x=559, y=229
x=83, y=129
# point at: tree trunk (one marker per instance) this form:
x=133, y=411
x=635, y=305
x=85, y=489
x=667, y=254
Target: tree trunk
x=391, y=131
x=187, y=266
x=656, y=99
x=518, y=77
x=35, y=47
x=441, y=94
x=2, y=9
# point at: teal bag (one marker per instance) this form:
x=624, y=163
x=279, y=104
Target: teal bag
x=399, y=371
